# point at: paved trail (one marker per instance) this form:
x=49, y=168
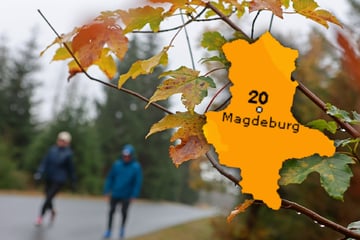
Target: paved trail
x=84, y=219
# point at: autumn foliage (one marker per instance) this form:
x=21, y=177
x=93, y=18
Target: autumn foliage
x=105, y=39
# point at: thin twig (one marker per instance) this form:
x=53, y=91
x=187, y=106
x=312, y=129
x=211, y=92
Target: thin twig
x=188, y=41
x=315, y=99
x=193, y=19
x=215, y=95
x=271, y=22
x=253, y=24
x=228, y=21
x=128, y=91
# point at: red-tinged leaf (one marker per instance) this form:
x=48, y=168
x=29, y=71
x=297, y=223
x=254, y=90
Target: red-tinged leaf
x=350, y=60
x=88, y=43
x=190, y=148
x=106, y=63
x=144, y=66
x=189, y=131
x=137, y=18
x=272, y=5
x=240, y=209
x=194, y=88
x=309, y=9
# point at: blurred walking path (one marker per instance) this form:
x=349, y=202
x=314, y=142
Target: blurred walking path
x=85, y=219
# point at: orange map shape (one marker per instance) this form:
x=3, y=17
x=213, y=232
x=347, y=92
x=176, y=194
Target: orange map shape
x=257, y=131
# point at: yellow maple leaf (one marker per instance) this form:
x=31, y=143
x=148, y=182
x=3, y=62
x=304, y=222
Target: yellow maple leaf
x=144, y=66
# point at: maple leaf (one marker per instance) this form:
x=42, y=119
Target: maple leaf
x=226, y=7
x=89, y=41
x=239, y=209
x=350, y=60
x=335, y=173
x=189, y=131
x=137, y=18
x=106, y=63
x=61, y=54
x=213, y=41
x=73, y=68
x=180, y=4
x=309, y=9
x=64, y=38
x=144, y=66
x=272, y=5
x=194, y=88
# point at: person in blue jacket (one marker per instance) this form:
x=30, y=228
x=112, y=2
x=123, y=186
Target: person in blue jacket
x=55, y=169
x=122, y=185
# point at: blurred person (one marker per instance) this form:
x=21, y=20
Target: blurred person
x=55, y=169
x=122, y=186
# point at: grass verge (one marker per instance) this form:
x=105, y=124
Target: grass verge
x=196, y=230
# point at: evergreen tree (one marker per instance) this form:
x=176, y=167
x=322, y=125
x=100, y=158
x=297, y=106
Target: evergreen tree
x=123, y=119
x=17, y=87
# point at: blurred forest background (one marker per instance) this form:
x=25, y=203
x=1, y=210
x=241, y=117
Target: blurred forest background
x=122, y=119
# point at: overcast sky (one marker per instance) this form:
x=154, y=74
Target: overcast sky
x=19, y=17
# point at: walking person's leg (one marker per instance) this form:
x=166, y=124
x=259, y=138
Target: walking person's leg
x=124, y=212
x=113, y=202
x=51, y=189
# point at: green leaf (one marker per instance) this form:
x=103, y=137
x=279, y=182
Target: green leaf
x=355, y=227
x=222, y=6
x=193, y=88
x=356, y=116
x=213, y=41
x=137, y=18
x=334, y=172
x=342, y=114
x=347, y=141
x=322, y=125
x=338, y=113
x=221, y=59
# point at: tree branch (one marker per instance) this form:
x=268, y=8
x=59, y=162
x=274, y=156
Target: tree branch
x=315, y=99
x=128, y=91
x=228, y=21
x=286, y=204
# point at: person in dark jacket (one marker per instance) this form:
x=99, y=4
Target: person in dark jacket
x=122, y=185
x=55, y=169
